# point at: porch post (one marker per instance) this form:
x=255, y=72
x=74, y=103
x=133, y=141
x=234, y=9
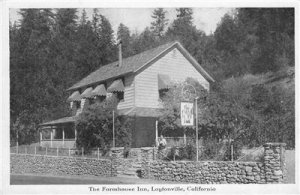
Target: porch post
x=156, y=133
x=51, y=134
x=63, y=135
x=75, y=132
x=41, y=137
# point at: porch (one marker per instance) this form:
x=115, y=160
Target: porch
x=59, y=133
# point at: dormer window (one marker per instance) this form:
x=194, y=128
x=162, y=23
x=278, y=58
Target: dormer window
x=78, y=105
x=117, y=87
x=120, y=95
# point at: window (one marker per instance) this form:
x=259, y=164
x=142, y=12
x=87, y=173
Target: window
x=120, y=95
x=162, y=93
x=78, y=105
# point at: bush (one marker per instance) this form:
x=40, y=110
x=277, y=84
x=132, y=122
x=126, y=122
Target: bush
x=94, y=127
x=187, y=152
x=212, y=150
x=237, y=151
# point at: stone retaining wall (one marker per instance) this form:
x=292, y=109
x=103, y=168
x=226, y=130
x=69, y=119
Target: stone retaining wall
x=215, y=172
x=25, y=163
x=271, y=170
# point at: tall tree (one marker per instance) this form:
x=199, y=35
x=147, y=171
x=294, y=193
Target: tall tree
x=107, y=42
x=185, y=14
x=123, y=34
x=28, y=71
x=88, y=52
x=183, y=30
x=271, y=34
x=83, y=18
x=160, y=22
x=146, y=40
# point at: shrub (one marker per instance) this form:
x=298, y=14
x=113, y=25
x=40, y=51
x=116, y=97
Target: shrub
x=187, y=152
x=237, y=151
x=94, y=127
x=212, y=150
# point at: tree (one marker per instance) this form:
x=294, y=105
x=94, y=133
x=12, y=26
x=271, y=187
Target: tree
x=88, y=51
x=169, y=122
x=29, y=69
x=123, y=34
x=183, y=30
x=83, y=18
x=107, y=44
x=185, y=14
x=271, y=35
x=160, y=22
x=146, y=40
x=95, y=125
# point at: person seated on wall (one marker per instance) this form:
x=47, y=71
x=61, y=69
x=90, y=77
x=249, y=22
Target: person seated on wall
x=162, y=143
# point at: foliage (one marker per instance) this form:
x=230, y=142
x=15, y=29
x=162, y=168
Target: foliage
x=212, y=150
x=124, y=35
x=187, y=152
x=160, y=22
x=124, y=131
x=95, y=125
x=169, y=123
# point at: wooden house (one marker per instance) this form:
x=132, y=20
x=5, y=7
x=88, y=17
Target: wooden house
x=137, y=81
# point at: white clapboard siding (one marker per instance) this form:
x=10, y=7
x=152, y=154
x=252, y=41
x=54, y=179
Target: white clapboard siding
x=173, y=64
x=128, y=101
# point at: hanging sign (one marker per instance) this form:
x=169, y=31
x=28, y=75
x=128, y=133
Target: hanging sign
x=187, y=114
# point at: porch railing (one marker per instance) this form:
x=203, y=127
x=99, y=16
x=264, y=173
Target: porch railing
x=58, y=151
x=61, y=143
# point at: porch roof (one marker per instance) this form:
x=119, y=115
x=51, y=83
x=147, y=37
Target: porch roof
x=70, y=119
x=141, y=111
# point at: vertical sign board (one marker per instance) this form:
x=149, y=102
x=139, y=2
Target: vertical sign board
x=187, y=113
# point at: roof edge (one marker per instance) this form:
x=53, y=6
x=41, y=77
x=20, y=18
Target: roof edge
x=98, y=82
x=187, y=55
x=157, y=56
x=194, y=61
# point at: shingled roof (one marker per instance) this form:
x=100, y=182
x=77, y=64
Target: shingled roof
x=133, y=64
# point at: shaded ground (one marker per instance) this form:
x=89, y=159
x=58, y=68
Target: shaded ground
x=56, y=180
x=290, y=165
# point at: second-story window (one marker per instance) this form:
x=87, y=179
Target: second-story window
x=120, y=95
x=164, y=84
x=78, y=105
x=162, y=93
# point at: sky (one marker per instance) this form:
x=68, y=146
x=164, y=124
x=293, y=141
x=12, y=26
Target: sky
x=137, y=19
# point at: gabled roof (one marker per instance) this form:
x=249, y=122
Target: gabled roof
x=134, y=63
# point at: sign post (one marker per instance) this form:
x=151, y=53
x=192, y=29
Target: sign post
x=196, y=113
x=188, y=110
x=114, y=129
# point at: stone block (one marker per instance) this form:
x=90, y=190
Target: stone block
x=277, y=173
x=248, y=169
